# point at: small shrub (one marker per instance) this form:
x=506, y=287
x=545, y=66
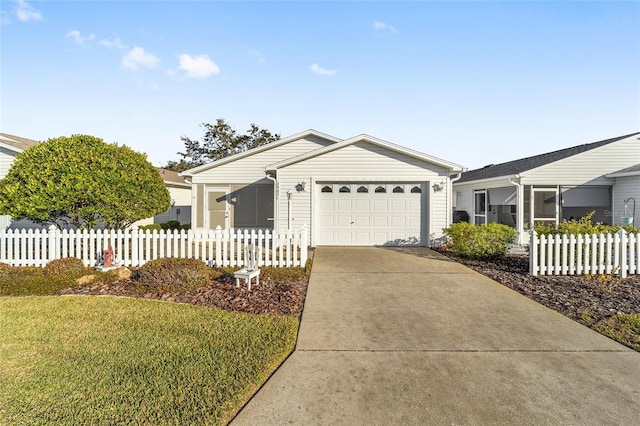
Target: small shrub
x=151, y=227
x=67, y=266
x=171, y=274
x=185, y=227
x=170, y=225
x=480, y=242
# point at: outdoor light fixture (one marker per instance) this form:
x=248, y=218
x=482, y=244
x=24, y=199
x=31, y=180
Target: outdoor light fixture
x=300, y=187
x=438, y=186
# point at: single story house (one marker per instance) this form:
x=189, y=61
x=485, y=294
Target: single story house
x=357, y=191
x=552, y=187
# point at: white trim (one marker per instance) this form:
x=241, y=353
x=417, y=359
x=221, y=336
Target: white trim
x=11, y=147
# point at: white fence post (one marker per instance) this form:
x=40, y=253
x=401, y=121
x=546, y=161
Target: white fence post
x=53, y=244
x=303, y=246
x=622, y=252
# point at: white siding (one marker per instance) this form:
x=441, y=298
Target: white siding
x=360, y=162
x=252, y=168
x=6, y=159
x=587, y=167
x=626, y=187
x=182, y=196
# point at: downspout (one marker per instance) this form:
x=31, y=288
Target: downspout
x=519, y=208
x=289, y=218
x=276, y=206
x=450, y=197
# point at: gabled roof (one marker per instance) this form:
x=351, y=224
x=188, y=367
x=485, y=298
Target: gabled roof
x=515, y=167
x=261, y=148
x=173, y=178
x=16, y=143
x=372, y=140
x=629, y=171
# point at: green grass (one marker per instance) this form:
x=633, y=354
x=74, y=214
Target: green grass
x=624, y=328
x=106, y=360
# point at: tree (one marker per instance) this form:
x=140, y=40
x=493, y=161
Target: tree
x=82, y=181
x=220, y=140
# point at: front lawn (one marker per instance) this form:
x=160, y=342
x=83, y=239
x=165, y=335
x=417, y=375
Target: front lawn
x=109, y=360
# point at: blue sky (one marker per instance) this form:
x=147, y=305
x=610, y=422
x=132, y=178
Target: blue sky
x=469, y=82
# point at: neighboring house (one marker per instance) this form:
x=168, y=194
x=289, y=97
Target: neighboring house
x=358, y=191
x=10, y=146
x=180, y=191
x=552, y=187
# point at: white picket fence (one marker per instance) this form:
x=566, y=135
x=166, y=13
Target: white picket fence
x=219, y=247
x=617, y=253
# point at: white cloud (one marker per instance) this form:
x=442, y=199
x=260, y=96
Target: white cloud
x=116, y=43
x=198, y=66
x=26, y=13
x=322, y=71
x=137, y=58
x=381, y=26
x=78, y=38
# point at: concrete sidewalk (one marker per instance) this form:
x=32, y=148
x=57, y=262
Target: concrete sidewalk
x=406, y=336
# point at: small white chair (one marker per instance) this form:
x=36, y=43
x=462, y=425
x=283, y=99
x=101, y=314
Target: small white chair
x=251, y=270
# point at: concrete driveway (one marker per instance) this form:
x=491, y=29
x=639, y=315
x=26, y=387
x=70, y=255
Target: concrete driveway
x=406, y=336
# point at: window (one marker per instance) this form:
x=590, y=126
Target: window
x=363, y=189
x=381, y=190
x=327, y=188
x=416, y=190
x=398, y=190
x=345, y=189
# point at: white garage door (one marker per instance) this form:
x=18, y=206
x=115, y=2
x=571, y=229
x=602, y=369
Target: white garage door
x=371, y=214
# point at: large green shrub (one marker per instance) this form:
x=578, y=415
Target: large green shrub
x=171, y=274
x=480, y=241
x=82, y=181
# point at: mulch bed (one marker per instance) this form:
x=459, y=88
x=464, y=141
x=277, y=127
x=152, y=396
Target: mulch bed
x=589, y=300
x=269, y=297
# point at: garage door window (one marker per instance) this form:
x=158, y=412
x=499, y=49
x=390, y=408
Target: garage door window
x=327, y=188
x=381, y=189
x=416, y=190
x=398, y=190
x=345, y=189
x=363, y=189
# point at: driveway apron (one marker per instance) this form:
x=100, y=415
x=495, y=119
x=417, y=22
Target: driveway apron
x=407, y=336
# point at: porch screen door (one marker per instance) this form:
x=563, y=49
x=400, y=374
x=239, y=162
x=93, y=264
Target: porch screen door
x=544, y=206
x=480, y=207
x=217, y=209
